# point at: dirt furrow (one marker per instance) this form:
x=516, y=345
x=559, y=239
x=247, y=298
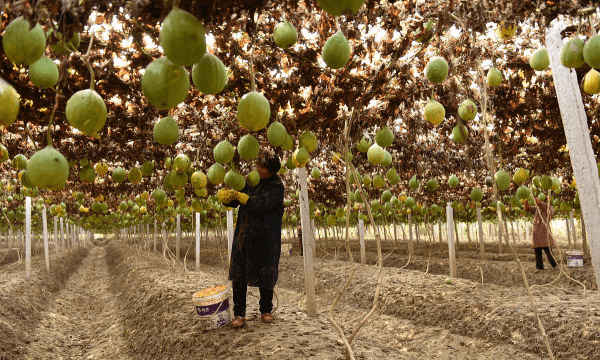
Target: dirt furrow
x=82, y=322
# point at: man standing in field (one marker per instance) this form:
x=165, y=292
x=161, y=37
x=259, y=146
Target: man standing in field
x=257, y=240
x=542, y=238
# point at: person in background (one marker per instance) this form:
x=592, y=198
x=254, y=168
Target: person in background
x=542, y=238
x=256, y=244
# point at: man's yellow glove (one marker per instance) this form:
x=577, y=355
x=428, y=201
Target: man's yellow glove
x=241, y=197
x=224, y=196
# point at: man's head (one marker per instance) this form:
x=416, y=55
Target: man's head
x=267, y=165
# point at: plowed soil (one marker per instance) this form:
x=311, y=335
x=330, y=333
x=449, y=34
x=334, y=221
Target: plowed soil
x=122, y=301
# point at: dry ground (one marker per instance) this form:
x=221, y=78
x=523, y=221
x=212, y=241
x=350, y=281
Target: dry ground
x=122, y=302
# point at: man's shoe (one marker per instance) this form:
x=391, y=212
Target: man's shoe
x=238, y=322
x=266, y=317
x=538, y=270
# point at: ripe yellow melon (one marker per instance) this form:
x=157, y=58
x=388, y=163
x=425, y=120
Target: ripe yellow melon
x=437, y=70
x=199, y=180
x=505, y=31
x=22, y=44
x=101, y=168
x=520, y=176
x=336, y=51
x=285, y=35
x=166, y=131
x=9, y=103
x=182, y=37
x=434, y=112
x=86, y=112
x=591, y=82
x=254, y=111
x=43, y=73
x=165, y=84
x=209, y=75
x=48, y=169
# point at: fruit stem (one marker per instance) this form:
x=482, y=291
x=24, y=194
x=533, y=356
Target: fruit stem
x=56, y=101
x=592, y=26
x=253, y=87
x=85, y=59
x=432, y=93
x=337, y=24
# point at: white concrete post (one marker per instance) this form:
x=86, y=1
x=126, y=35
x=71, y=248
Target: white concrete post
x=154, y=235
x=573, y=229
x=229, y=232
x=311, y=300
x=197, y=241
x=28, y=238
x=451, y=252
x=578, y=140
x=62, y=234
x=361, y=235
x=178, y=240
x=481, y=239
x=45, y=226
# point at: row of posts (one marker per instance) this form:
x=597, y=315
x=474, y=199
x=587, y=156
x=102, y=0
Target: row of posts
x=68, y=237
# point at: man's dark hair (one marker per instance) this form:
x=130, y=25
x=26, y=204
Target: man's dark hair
x=270, y=161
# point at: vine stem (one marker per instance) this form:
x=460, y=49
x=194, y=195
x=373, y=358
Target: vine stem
x=253, y=87
x=86, y=61
x=56, y=102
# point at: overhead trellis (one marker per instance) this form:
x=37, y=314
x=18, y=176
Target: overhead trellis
x=384, y=80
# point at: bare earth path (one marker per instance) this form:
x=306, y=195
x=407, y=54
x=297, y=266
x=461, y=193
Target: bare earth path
x=82, y=322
